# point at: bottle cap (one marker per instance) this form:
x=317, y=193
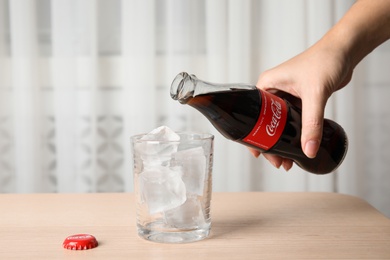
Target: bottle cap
x=80, y=242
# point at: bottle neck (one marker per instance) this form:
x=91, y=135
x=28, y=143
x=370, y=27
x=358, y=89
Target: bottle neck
x=186, y=86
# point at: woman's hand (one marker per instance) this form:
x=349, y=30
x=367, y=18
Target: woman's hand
x=311, y=77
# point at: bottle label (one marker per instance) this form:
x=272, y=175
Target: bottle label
x=270, y=124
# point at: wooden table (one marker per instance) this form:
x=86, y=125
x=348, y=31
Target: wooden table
x=244, y=226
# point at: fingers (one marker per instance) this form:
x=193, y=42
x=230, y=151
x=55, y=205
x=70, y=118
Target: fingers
x=312, y=123
x=312, y=99
x=287, y=164
x=254, y=152
x=275, y=160
x=278, y=161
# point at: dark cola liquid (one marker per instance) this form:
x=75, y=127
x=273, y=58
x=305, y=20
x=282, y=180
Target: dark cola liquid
x=234, y=114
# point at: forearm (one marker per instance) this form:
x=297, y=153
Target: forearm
x=363, y=28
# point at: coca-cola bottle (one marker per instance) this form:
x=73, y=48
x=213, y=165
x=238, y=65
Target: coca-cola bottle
x=260, y=120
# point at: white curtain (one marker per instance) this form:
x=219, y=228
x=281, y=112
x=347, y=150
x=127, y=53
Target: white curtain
x=78, y=78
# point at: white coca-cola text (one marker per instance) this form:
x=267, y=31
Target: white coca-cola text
x=276, y=109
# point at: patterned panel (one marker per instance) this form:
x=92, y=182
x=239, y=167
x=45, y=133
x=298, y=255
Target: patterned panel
x=7, y=178
x=110, y=154
x=99, y=165
x=85, y=155
x=49, y=156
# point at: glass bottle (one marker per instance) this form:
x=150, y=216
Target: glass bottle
x=261, y=120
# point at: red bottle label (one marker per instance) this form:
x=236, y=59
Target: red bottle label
x=270, y=124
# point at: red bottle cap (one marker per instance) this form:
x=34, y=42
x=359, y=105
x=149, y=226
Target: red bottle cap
x=80, y=242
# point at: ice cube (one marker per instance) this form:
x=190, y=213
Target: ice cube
x=193, y=163
x=162, y=188
x=162, y=133
x=162, y=143
x=188, y=215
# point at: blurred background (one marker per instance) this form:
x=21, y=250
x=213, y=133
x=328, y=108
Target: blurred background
x=78, y=78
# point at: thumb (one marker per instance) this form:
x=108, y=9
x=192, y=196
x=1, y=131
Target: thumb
x=312, y=123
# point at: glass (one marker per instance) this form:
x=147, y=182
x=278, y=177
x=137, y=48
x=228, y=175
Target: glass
x=172, y=185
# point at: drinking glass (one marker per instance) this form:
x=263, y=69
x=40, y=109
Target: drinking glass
x=173, y=185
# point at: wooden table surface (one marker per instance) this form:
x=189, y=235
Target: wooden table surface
x=244, y=226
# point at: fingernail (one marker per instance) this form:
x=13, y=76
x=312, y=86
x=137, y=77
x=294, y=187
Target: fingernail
x=287, y=166
x=255, y=153
x=311, y=148
x=276, y=165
